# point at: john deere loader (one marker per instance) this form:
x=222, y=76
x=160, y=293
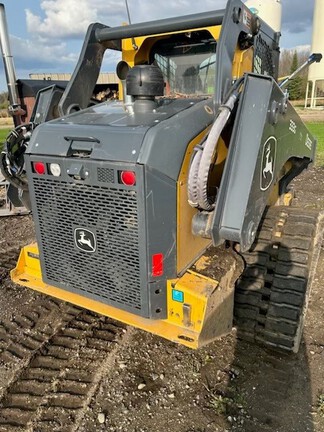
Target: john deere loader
x=132, y=199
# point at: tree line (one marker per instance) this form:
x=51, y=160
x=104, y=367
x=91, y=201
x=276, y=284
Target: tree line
x=290, y=60
x=4, y=100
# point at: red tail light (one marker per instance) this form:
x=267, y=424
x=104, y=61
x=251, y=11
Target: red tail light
x=39, y=168
x=128, y=178
x=157, y=264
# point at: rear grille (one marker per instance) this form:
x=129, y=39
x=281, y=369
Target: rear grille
x=112, y=273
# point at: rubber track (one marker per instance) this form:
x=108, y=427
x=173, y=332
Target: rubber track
x=51, y=390
x=8, y=260
x=271, y=295
x=28, y=332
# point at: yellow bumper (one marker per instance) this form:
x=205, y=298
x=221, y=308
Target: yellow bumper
x=200, y=309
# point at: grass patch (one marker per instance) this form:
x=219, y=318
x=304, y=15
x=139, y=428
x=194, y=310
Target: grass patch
x=227, y=404
x=320, y=405
x=3, y=136
x=223, y=405
x=317, y=129
x=220, y=404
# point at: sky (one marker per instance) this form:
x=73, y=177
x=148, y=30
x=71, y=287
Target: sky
x=46, y=35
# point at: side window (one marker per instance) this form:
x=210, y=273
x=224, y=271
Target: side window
x=207, y=74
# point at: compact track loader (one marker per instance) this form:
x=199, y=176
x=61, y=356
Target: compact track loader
x=132, y=199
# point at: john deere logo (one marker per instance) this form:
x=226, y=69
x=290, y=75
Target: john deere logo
x=85, y=240
x=268, y=163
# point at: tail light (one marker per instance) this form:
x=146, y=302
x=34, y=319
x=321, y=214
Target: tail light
x=39, y=168
x=128, y=178
x=157, y=264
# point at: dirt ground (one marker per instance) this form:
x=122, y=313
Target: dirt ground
x=309, y=115
x=65, y=369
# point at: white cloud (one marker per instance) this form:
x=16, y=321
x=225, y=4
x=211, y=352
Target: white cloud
x=56, y=57
x=71, y=18
x=26, y=55
x=63, y=19
x=155, y=10
x=26, y=48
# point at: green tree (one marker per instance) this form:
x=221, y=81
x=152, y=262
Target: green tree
x=4, y=100
x=296, y=84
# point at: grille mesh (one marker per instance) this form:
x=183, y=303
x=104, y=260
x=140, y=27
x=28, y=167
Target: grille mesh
x=112, y=273
x=106, y=175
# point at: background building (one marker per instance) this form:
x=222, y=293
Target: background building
x=315, y=86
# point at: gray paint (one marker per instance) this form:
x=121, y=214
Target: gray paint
x=241, y=202
x=111, y=139
x=231, y=33
x=161, y=219
x=165, y=145
x=143, y=138
x=161, y=229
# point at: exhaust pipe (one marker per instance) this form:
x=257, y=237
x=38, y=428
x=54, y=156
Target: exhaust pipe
x=121, y=71
x=14, y=107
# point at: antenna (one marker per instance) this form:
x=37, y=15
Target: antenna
x=130, y=22
x=128, y=14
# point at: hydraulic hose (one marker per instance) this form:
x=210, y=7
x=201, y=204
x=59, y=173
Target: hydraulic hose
x=12, y=163
x=203, y=157
x=208, y=152
x=193, y=176
x=16, y=181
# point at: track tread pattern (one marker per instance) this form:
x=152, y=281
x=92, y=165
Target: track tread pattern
x=49, y=391
x=8, y=260
x=271, y=296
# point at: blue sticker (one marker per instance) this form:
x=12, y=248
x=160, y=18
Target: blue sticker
x=254, y=10
x=177, y=296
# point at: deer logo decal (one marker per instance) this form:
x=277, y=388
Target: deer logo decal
x=268, y=163
x=85, y=240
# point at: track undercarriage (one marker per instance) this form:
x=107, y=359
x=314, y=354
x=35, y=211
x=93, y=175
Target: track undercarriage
x=272, y=294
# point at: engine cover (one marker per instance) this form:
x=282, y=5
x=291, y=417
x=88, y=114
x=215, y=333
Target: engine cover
x=98, y=237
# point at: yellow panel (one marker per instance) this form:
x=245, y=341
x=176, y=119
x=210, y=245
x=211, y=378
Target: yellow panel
x=145, y=43
x=275, y=198
x=189, y=247
x=243, y=62
x=28, y=273
x=196, y=290
x=274, y=195
x=195, y=321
